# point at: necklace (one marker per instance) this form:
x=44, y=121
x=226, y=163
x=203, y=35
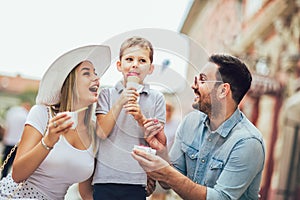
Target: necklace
x=83, y=138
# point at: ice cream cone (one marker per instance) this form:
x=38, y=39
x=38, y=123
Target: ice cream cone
x=133, y=82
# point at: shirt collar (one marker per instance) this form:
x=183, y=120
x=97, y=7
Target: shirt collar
x=227, y=125
x=120, y=87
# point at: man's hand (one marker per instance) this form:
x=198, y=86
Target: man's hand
x=155, y=167
x=160, y=170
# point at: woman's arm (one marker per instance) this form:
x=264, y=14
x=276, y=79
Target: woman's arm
x=30, y=154
x=86, y=189
x=32, y=151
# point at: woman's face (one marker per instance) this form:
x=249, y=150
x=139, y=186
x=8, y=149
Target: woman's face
x=87, y=84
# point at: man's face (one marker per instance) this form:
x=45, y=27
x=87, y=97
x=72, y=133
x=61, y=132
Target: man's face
x=206, y=91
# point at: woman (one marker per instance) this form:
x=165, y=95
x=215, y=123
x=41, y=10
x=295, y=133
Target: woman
x=49, y=163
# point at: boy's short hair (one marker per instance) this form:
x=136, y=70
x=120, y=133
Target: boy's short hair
x=137, y=41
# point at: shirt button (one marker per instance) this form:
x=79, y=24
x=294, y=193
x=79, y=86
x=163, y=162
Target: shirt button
x=203, y=160
x=209, y=139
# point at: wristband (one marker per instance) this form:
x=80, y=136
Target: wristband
x=45, y=146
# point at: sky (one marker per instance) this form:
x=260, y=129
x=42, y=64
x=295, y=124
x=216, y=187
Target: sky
x=35, y=32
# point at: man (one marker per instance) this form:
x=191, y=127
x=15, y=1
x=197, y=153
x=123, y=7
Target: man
x=217, y=153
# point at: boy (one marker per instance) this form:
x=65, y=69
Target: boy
x=121, y=113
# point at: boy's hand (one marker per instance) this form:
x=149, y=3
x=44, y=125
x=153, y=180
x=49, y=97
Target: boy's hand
x=133, y=108
x=131, y=105
x=128, y=95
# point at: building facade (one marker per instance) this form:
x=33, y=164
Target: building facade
x=15, y=88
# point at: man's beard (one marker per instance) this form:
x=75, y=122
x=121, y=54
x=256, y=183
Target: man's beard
x=203, y=105
x=209, y=105
x=196, y=105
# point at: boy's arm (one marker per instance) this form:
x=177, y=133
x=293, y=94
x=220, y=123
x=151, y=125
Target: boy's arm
x=107, y=122
x=132, y=107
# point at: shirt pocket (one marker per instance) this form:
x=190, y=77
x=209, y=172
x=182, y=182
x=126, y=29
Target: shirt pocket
x=215, y=168
x=191, y=156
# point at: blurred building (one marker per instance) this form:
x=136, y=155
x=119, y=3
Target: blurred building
x=266, y=35
x=15, y=88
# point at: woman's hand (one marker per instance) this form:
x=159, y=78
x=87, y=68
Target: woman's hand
x=154, y=134
x=57, y=126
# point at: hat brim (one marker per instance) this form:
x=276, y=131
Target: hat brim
x=54, y=77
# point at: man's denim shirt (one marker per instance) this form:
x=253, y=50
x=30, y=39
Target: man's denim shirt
x=228, y=161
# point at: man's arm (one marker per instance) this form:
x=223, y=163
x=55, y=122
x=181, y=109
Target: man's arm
x=184, y=187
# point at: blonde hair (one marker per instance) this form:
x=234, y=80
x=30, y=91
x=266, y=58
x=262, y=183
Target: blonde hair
x=68, y=95
x=137, y=41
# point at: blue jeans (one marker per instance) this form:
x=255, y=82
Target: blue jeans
x=112, y=191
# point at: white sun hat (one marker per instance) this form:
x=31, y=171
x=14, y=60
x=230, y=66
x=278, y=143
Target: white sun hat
x=53, y=79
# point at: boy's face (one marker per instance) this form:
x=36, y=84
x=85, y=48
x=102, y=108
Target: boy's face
x=135, y=62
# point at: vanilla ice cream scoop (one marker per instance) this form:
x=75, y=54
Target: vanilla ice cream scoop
x=133, y=81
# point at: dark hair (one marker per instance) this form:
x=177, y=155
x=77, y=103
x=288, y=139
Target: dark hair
x=233, y=71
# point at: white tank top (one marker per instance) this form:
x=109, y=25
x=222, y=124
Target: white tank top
x=64, y=165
